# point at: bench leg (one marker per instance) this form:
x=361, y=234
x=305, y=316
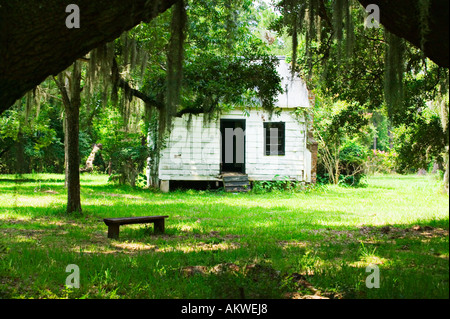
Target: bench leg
x=159, y=226
x=113, y=231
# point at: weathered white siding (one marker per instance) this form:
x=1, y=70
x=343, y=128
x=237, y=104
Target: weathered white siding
x=192, y=153
x=195, y=153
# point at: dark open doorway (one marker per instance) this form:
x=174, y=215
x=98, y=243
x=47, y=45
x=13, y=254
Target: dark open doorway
x=233, y=145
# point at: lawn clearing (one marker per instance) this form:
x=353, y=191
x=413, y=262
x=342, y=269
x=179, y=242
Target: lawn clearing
x=223, y=245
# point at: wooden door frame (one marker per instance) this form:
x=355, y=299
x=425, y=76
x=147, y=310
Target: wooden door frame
x=222, y=136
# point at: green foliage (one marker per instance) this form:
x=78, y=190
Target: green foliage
x=381, y=73
x=279, y=184
x=352, y=159
x=419, y=144
x=383, y=162
x=124, y=151
x=31, y=142
x=341, y=130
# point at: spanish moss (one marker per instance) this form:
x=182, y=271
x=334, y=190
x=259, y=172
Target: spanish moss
x=175, y=58
x=394, y=69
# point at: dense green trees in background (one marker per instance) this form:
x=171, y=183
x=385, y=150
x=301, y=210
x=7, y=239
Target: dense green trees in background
x=373, y=89
x=125, y=88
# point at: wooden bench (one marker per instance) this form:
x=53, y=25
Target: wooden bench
x=115, y=223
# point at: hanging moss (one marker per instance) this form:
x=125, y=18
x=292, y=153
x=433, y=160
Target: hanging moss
x=443, y=102
x=297, y=15
x=349, y=30
x=338, y=16
x=394, y=69
x=175, y=58
x=28, y=105
x=230, y=22
x=424, y=15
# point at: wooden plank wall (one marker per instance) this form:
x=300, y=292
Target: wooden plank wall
x=194, y=153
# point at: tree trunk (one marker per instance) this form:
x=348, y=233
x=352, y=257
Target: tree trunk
x=73, y=151
x=66, y=152
x=446, y=177
x=72, y=104
x=20, y=151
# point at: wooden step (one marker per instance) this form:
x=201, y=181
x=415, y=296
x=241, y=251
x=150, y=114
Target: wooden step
x=236, y=189
x=242, y=178
x=236, y=183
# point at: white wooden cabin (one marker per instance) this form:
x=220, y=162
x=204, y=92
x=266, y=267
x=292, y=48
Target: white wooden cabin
x=198, y=153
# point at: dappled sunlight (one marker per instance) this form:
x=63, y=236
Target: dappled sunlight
x=369, y=260
x=293, y=244
x=12, y=218
x=198, y=247
x=134, y=246
x=106, y=246
x=24, y=237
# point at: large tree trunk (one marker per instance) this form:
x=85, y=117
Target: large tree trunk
x=73, y=151
x=66, y=152
x=403, y=18
x=446, y=177
x=72, y=101
x=35, y=42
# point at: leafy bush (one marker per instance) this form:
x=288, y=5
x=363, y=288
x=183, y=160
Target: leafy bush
x=381, y=162
x=280, y=185
x=352, y=159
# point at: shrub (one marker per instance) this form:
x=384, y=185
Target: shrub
x=279, y=185
x=352, y=159
x=381, y=162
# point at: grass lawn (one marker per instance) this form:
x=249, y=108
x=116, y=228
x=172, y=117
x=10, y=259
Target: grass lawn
x=223, y=245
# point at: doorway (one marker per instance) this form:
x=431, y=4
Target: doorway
x=232, y=145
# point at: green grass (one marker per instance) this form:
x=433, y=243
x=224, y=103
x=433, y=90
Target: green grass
x=280, y=244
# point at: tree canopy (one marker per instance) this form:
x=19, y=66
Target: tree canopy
x=41, y=45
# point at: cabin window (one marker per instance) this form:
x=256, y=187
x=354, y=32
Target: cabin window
x=274, y=138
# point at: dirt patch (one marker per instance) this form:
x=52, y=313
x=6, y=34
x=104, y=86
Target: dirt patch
x=199, y=246
x=225, y=267
x=291, y=244
x=50, y=192
x=386, y=232
x=194, y=270
x=306, y=290
x=119, y=195
x=414, y=231
x=33, y=234
x=296, y=295
x=135, y=247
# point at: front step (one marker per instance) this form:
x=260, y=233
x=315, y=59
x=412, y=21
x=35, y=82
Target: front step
x=236, y=183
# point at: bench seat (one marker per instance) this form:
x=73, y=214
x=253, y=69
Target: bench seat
x=115, y=223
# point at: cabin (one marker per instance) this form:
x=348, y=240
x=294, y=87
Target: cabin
x=242, y=147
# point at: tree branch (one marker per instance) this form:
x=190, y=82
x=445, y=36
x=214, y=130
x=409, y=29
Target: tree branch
x=124, y=85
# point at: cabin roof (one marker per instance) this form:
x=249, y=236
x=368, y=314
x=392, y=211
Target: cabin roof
x=295, y=92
